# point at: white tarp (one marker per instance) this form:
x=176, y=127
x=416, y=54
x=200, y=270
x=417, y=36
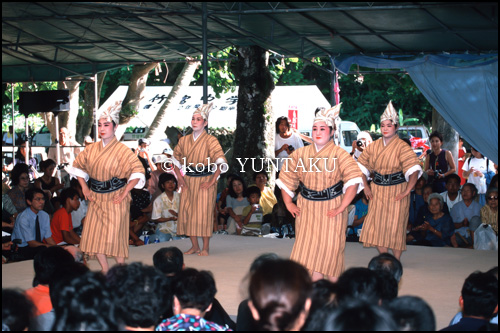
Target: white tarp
x=304, y=99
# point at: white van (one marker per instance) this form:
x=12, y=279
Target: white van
x=347, y=132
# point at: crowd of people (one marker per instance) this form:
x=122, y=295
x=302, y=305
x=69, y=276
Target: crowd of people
x=111, y=197
x=280, y=296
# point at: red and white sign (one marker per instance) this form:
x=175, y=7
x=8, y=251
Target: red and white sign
x=293, y=116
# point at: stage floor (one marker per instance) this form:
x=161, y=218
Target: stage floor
x=434, y=274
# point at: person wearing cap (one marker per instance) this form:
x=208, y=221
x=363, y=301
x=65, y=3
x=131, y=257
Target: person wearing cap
x=330, y=180
x=113, y=170
x=142, y=152
x=395, y=169
x=203, y=159
x=362, y=141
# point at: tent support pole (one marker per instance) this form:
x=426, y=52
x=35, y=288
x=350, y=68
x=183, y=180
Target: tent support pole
x=205, y=55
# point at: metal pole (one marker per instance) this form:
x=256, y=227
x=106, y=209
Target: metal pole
x=58, y=152
x=13, y=126
x=96, y=105
x=204, y=49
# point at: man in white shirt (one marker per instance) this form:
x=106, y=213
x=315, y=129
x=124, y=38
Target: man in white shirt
x=452, y=195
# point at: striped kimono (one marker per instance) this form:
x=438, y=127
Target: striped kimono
x=320, y=240
x=196, y=210
x=106, y=227
x=385, y=223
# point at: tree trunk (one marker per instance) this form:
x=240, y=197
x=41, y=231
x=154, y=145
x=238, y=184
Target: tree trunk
x=254, y=135
x=85, y=119
x=167, y=110
x=66, y=119
x=135, y=91
x=450, y=136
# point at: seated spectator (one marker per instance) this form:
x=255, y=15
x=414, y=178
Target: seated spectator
x=422, y=214
x=193, y=292
x=280, y=295
x=494, y=182
x=61, y=225
x=165, y=209
x=17, y=311
x=45, y=264
x=322, y=299
x=438, y=227
x=416, y=200
x=33, y=226
x=253, y=213
x=479, y=171
x=140, y=209
x=411, y=313
x=78, y=216
x=359, y=283
x=245, y=321
x=20, y=158
x=267, y=197
x=87, y=295
x=466, y=217
x=361, y=207
x=387, y=262
x=221, y=211
x=141, y=294
x=236, y=201
x=478, y=301
x=170, y=261
x=14, y=201
x=50, y=185
x=355, y=315
x=452, y=194
x=489, y=212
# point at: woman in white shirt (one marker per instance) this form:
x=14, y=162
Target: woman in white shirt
x=479, y=170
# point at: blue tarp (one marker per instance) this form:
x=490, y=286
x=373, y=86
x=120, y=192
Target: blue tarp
x=462, y=88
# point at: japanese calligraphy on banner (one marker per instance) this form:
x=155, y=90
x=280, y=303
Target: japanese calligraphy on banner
x=293, y=116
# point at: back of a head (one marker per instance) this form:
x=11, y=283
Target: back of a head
x=48, y=260
x=412, y=313
x=262, y=259
x=480, y=295
x=194, y=289
x=86, y=304
x=359, y=283
x=63, y=276
x=279, y=290
x=355, y=315
x=17, y=310
x=168, y=260
x=141, y=293
x=387, y=262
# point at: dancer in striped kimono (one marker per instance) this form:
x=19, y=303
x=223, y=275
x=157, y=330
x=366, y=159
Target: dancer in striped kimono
x=330, y=180
x=395, y=170
x=201, y=155
x=113, y=170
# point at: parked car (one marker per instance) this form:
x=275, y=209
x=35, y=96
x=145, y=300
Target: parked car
x=42, y=138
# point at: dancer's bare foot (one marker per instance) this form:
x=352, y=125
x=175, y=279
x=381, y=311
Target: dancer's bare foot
x=192, y=251
x=203, y=253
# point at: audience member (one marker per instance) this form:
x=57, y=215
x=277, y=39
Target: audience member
x=478, y=301
x=86, y=304
x=267, y=197
x=33, y=226
x=140, y=209
x=494, y=181
x=236, y=202
x=359, y=283
x=78, y=216
x=416, y=200
x=439, y=163
x=153, y=186
x=387, y=262
x=193, y=292
x=489, y=212
x=68, y=150
x=280, y=295
x=17, y=311
x=422, y=214
x=165, y=209
x=221, y=212
x=14, y=201
x=141, y=294
x=286, y=141
x=466, y=217
x=253, y=214
x=50, y=185
x=363, y=140
x=322, y=300
x=361, y=209
x=170, y=261
x=412, y=313
x=438, y=228
x=143, y=154
x=61, y=225
x=452, y=194
x=8, y=137
x=355, y=315
x=245, y=320
x=45, y=264
x=461, y=159
x=20, y=158
x=479, y=171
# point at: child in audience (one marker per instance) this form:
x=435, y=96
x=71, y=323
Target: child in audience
x=236, y=201
x=252, y=214
x=61, y=225
x=165, y=209
x=452, y=194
